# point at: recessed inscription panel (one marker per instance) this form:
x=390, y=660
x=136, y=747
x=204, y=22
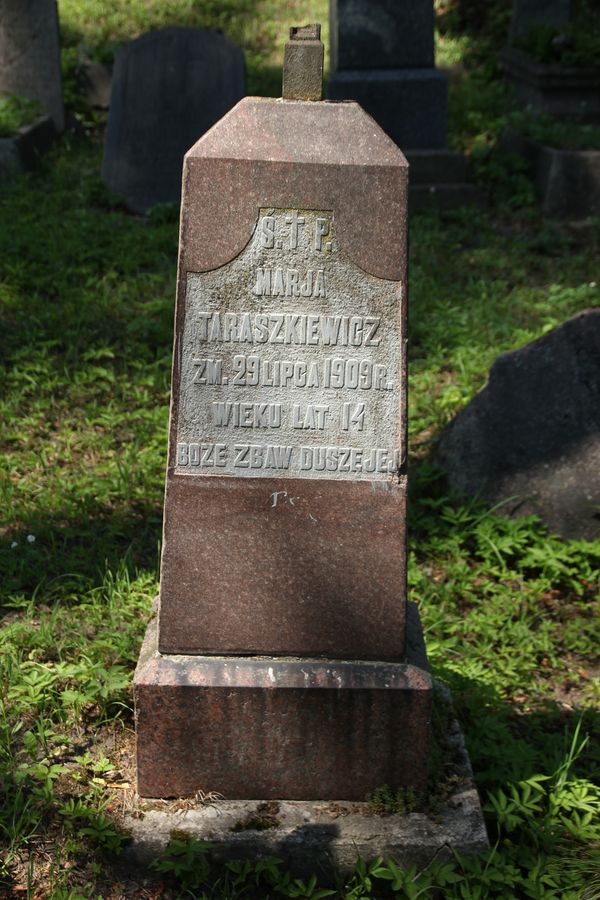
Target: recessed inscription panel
x=291, y=360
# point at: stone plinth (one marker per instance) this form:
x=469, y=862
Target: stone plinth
x=567, y=182
x=382, y=57
x=567, y=92
x=25, y=149
x=30, y=55
x=302, y=729
x=321, y=835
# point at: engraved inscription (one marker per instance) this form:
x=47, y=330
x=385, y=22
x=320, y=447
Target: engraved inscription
x=290, y=360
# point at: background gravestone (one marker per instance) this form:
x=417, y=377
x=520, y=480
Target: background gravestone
x=30, y=54
x=384, y=34
x=169, y=87
x=382, y=55
x=527, y=14
x=531, y=437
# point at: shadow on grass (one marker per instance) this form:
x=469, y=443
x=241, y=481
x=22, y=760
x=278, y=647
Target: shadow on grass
x=67, y=559
x=507, y=743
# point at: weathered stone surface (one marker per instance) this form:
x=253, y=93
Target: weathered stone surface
x=314, y=835
x=303, y=64
x=270, y=728
x=563, y=91
x=24, y=150
x=535, y=13
x=381, y=34
x=438, y=180
x=264, y=153
x=567, y=182
x=169, y=87
x=285, y=535
x=435, y=166
x=30, y=54
x=97, y=78
x=282, y=351
x=283, y=570
x=409, y=104
x=531, y=438
x=283, y=566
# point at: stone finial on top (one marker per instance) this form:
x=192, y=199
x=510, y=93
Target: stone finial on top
x=303, y=64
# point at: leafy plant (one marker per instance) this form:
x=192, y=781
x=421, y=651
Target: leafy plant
x=15, y=112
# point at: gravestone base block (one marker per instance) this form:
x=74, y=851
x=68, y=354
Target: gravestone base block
x=409, y=104
x=273, y=727
x=25, y=149
x=567, y=182
x=319, y=835
x=567, y=92
x=438, y=180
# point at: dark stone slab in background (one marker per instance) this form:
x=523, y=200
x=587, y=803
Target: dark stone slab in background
x=409, y=104
x=535, y=13
x=567, y=182
x=169, y=87
x=568, y=92
x=531, y=438
x=24, y=150
x=381, y=35
x=30, y=54
x=258, y=728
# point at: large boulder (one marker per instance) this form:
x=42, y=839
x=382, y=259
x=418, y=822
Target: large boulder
x=530, y=440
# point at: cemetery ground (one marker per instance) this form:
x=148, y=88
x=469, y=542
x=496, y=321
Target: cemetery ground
x=510, y=611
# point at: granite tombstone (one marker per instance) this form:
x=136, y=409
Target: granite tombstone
x=169, y=87
x=30, y=55
x=284, y=662
x=382, y=56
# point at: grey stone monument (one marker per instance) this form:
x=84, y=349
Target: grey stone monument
x=382, y=55
x=169, y=87
x=530, y=440
x=30, y=54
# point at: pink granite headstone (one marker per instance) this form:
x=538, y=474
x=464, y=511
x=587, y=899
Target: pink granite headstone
x=283, y=662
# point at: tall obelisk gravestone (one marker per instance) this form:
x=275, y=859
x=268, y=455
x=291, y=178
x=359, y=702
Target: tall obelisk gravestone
x=283, y=663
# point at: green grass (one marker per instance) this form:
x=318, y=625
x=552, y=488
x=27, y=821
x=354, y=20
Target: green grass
x=15, y=112
x=556, y=132
x=261, y=27
x=510, y=612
